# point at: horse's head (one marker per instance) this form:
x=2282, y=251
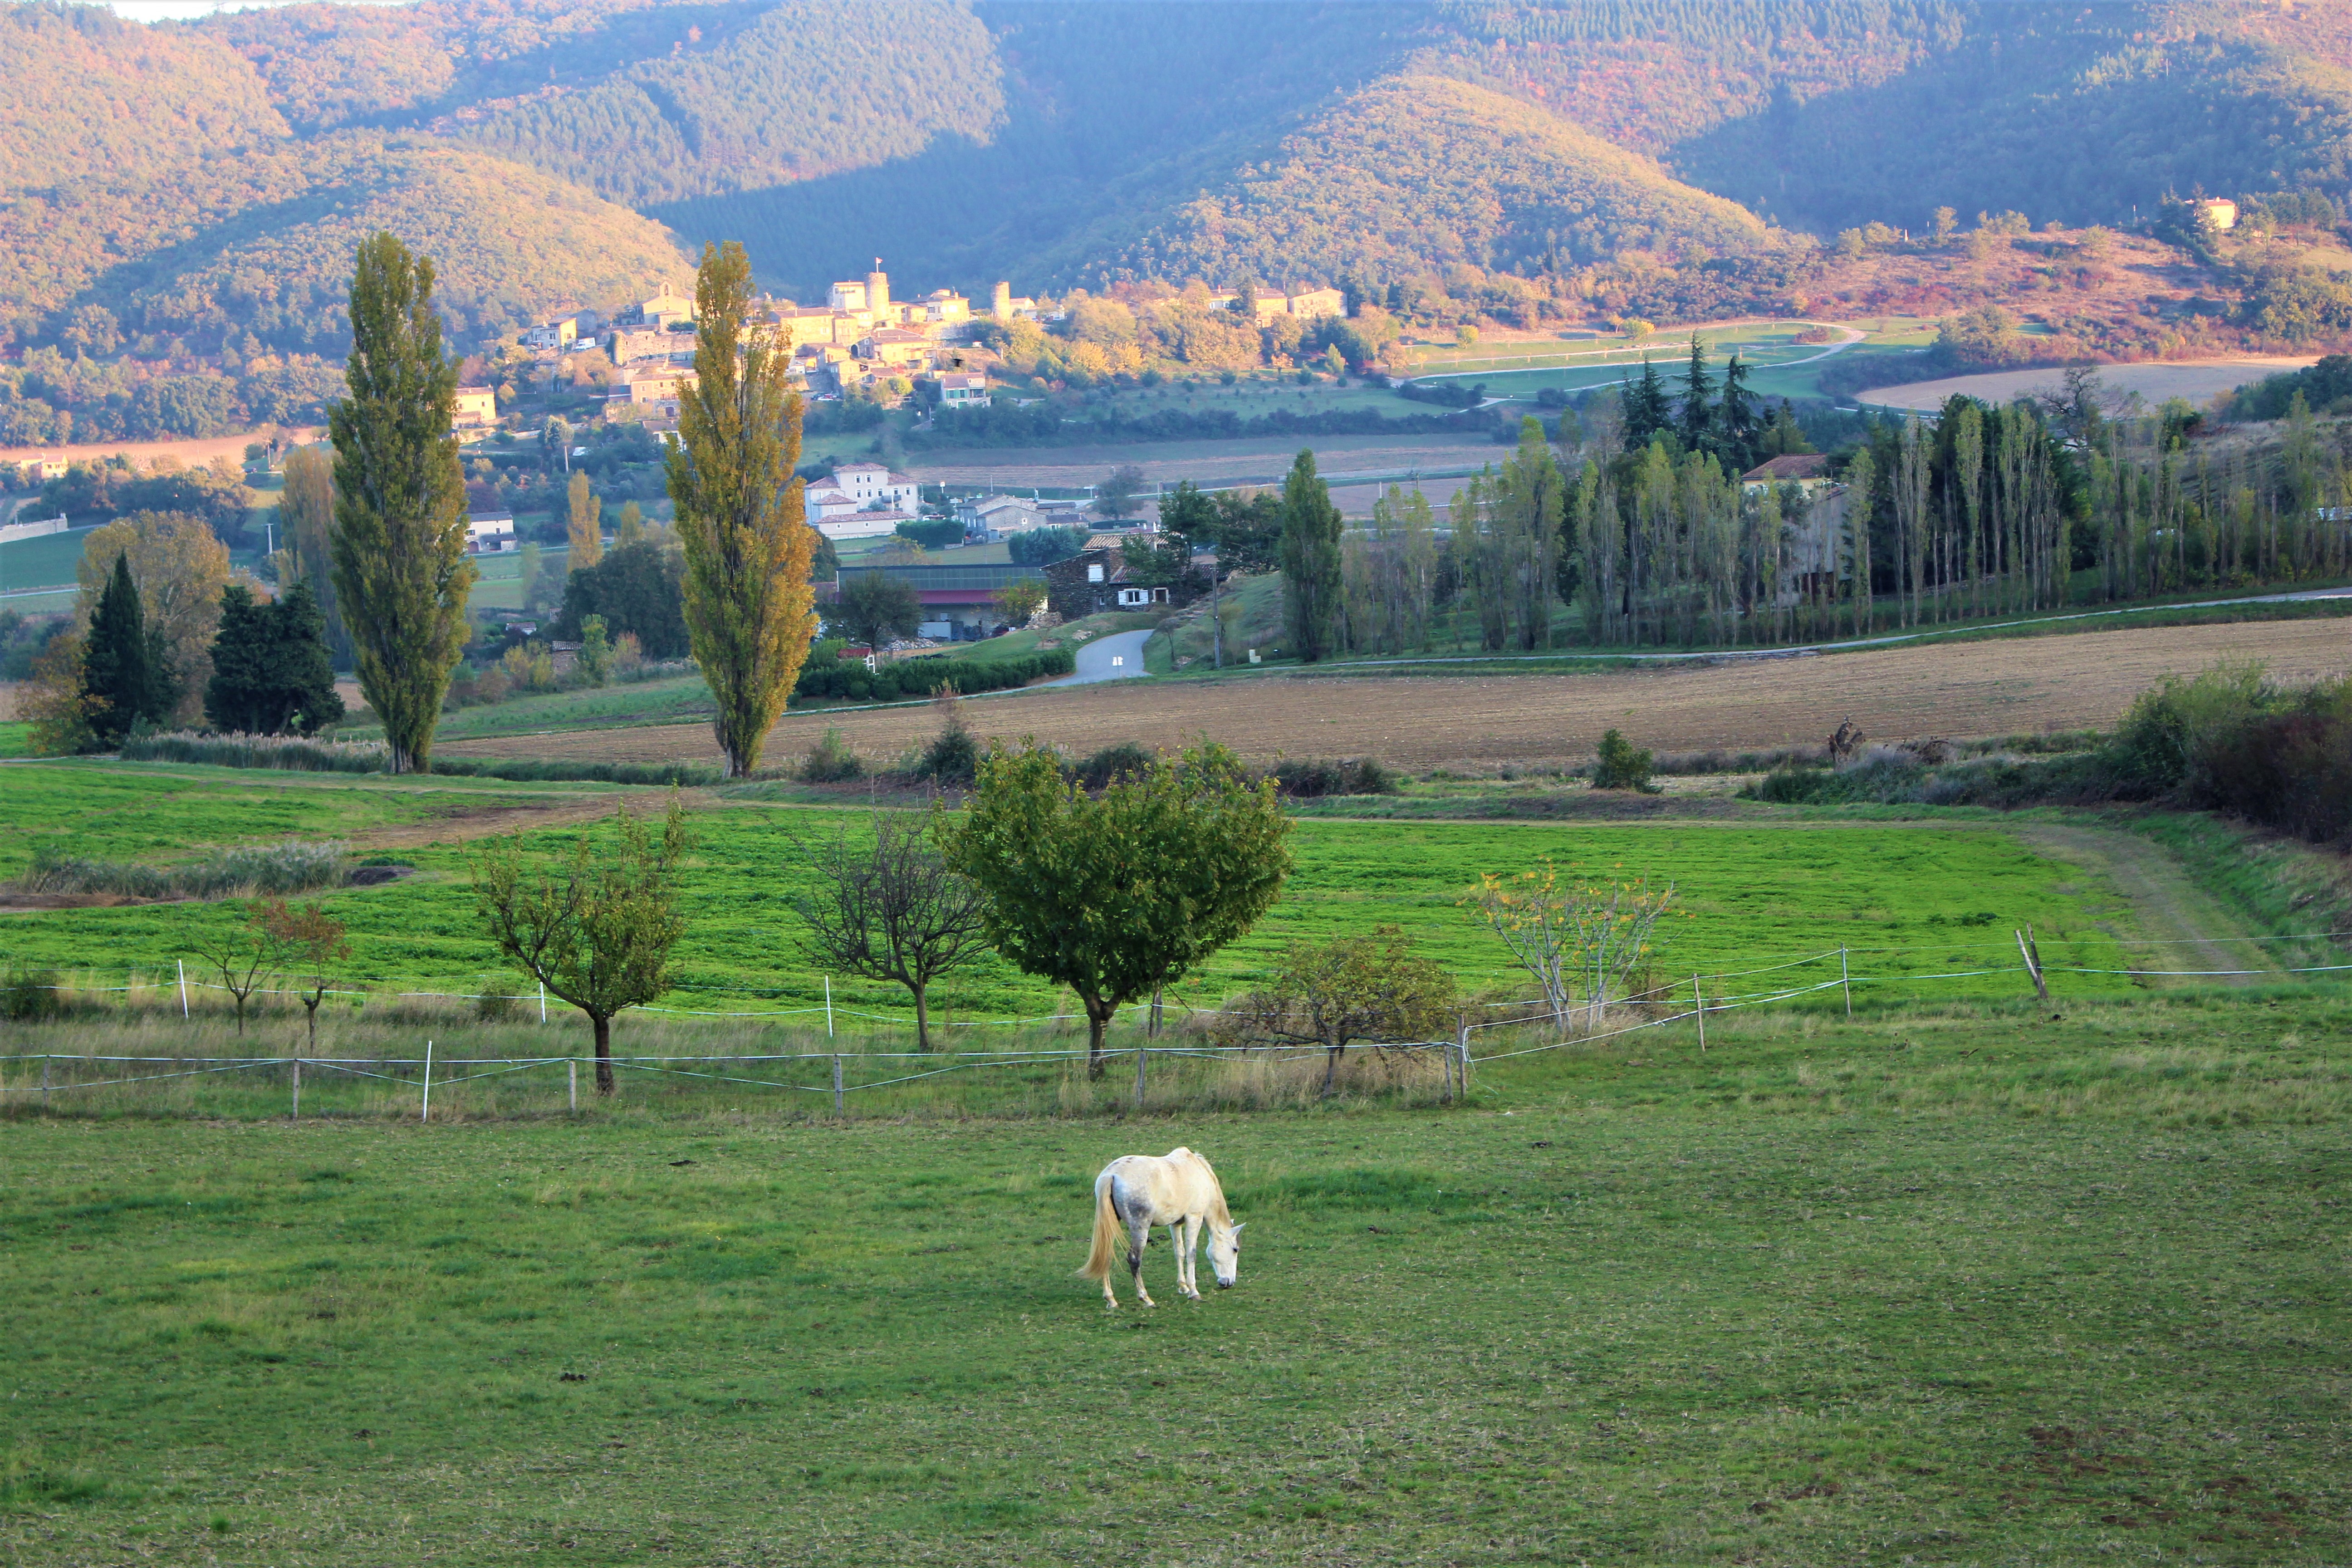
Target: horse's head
x=1226, y=1253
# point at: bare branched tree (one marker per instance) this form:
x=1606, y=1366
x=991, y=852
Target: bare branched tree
x=892, y=911
x=1372, y=988
x=246, y=956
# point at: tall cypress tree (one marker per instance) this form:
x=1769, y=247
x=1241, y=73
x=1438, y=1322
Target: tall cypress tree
x=1698, y=397
x=124, y=673
x=1312, y=585
x=1646, y=408
x=1735, y=418
x=401, y=573
x=749, y=608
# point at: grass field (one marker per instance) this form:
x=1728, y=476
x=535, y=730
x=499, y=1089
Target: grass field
x=1956, y=1288
x=48, y=561
x=1985, y=686
x=1911, y=900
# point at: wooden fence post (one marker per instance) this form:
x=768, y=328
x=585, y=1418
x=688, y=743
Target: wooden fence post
x=572, y=1081
x=297, y=1115
x=45, y=1085
x=2032, y=957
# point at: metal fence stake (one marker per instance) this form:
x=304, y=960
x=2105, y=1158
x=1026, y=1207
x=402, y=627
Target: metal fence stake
x=1139, y=1055
x=1845, y=980
x=183, y=987
x=828, y=1007
x=424, y=1106
x=1700, y=998
x=836, y=1086
x=45, y=1086
x=1463, y=1044
x=297, y=1115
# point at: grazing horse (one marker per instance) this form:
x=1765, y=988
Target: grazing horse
x=1136, y=1191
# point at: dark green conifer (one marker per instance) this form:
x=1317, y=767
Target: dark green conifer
x=125, y=672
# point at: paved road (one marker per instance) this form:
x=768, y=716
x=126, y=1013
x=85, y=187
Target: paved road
x=1118, y=657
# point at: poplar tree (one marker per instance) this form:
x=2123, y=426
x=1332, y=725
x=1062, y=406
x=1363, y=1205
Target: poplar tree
x=749, y=610
x=587, y=525
x=401, y=575
x=306, y=509
x=1313, y=583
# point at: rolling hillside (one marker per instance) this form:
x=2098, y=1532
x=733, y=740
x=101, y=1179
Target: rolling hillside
x=180, y=200
x=1423, y=171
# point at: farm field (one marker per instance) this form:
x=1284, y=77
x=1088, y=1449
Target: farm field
x=1910, y=898
x=1956, y=1288
x=2198, y=381
x=1989, y=686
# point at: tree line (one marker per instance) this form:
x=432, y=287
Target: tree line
x=1647, y=526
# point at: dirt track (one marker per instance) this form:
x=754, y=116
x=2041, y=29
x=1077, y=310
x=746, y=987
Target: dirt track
x=1995, y=687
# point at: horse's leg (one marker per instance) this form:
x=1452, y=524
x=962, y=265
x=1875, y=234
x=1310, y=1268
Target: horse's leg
x=1138, y=1234
x=1193, y=1256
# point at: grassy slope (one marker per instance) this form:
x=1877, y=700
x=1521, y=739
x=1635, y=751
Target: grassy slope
x=1756, y=893
x=1941, y=1288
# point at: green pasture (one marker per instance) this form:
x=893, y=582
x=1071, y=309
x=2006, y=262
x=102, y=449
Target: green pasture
x=1962, y=1287
x=1909, y=899
x=48, y=561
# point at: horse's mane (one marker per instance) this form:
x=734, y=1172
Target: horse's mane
x=1218, y=1212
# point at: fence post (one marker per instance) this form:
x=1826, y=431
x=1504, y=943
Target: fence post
x=828, y=1022
x=45, y=1085
x=2033, y=961
x=1463, y=1041
x=1139, y=1055
x=571, y=1076
x=425, y=1106
x=543, y=1002
x=1700, y=998
x=837, y=1084
x=183, y=987
x=1845, y=980
x=296, y=1114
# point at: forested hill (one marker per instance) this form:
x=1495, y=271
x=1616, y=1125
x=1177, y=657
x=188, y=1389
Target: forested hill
x=180, y=200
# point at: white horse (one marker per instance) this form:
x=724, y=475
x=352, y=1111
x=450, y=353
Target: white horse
x=1136, y=1191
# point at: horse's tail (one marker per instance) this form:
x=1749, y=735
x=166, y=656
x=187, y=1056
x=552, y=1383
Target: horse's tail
x=1106, y=1232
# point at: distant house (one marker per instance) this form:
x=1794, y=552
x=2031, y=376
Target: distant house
x=874, y=485
x=664, y=309
x=1808, y=470
x=652, y=391
x=477, y=407
x=957, y=389
x=995, y=517
x=490, y=533
x=630, y=344
x=826, y=500
x=1094, y=580
x=959, y=601
x=553, y=336
x=2222, y=214
x=894, y=346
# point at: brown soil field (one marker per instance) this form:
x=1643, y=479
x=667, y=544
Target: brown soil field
x=2011, y=686
x=2198, y=381
x=195, y=451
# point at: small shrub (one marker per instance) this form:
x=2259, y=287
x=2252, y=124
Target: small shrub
x=953, y=756
x=1622, y=765
x=831, y=761
x=495, y=1005
x=31, y=996
x=1123, y=759
x=1312, y=778
x=273, y=869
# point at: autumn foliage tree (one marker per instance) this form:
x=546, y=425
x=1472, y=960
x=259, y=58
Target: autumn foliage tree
x=749, y=608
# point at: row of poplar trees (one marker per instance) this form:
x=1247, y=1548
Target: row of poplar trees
x=397, y=549
x=1982, y=511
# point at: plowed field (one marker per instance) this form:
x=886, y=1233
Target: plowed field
x=1992, y=687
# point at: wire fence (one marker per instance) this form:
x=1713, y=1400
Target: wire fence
x=838, y=1075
